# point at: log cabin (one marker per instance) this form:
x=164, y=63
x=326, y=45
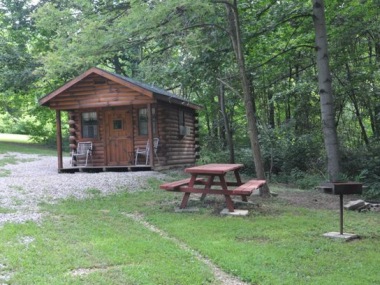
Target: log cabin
x=118, y=116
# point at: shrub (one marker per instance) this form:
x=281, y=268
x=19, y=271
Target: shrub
x=363, y=165
x=7, y=123
x=284, y=151
x=26, y=124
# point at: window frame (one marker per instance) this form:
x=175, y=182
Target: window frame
x=142, y=126
x=87, y=124
x=181, y=118
x=182, y=129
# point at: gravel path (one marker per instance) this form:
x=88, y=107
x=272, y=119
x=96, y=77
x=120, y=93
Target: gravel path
x=34, y=179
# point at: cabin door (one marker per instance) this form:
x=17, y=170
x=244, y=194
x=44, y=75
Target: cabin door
x=119, y=136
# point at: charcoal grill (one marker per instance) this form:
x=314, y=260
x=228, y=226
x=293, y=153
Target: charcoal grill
x=344, y=188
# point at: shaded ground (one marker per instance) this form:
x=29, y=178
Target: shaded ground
x=314, y=199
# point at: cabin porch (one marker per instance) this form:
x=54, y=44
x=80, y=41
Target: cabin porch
x=95, y=169
x=67, y=167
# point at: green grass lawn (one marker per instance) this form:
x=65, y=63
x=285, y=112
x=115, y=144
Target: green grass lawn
x=95, y=241
x=14, y=138
x=22, y=144
x=275, y=244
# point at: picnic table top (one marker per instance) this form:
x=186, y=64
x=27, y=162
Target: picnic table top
x=213, y=168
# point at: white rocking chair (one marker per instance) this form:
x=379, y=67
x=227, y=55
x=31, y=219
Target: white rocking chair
x=84, y=150
x=145, y=151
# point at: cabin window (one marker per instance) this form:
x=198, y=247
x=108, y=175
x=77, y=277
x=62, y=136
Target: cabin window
x=89, y=125
x=182, y=124
x=181, y=118
x=143, y=121
x=117, y=124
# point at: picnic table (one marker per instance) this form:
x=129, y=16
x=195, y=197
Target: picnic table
x=203, y=181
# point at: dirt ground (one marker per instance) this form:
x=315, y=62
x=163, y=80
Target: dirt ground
x=311, y=199
x=314, y=199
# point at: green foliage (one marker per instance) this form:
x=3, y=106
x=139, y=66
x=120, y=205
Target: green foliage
x=16, y=67
x=212, y=156
x=74, y=48
x=372, y=190
x=28, y=124
x=291, y=156
x=363, y=165
x=41, y=132
x=16, y=62
x=244, y=156
x=299, y=179
x=184, y=46
x=6, y=123
x=23, y=125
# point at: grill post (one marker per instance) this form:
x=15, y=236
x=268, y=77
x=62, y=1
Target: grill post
x=343, y=188
x=341, y=213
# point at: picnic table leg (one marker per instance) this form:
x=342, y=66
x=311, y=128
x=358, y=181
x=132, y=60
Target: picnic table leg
x=229, y=202
x=186, y=195
x=185, y=199
x=237, y=176
x=209, y=182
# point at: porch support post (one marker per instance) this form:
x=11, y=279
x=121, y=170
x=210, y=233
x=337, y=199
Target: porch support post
x=150, y=135
x=59, y=138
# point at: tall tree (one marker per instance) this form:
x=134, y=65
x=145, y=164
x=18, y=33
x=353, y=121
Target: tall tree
x=235, y=36
x=226, y=122
x=325, y=91
x=16, y=61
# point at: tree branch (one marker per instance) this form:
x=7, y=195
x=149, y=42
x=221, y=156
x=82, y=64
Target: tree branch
x=229, y=86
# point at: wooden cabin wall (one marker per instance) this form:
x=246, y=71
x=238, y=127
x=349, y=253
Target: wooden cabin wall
x=176, y=149
x=98, y=154
x=197, y=145
x=141, y=140
x=95, y=92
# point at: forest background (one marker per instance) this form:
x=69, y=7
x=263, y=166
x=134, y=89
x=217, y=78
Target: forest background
x=185, y=47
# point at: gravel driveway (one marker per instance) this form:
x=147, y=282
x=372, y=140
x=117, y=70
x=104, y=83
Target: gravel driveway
x=34, y=179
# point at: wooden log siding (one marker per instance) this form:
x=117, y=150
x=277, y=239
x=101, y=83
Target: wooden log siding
x=177, y=149
x=86, y=94
x=173, y=148
x=197, y=146
x=140, y=140
x=98, y=155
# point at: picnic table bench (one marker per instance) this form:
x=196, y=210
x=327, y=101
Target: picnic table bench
x=247, y=188
x=175, y=185
x=209, y=186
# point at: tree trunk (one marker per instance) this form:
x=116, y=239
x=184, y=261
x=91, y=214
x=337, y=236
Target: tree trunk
x=356, y=107
x=375, y=120
x=229, y=137
x=325, y=92
x=271, y=117
x=234, y=26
